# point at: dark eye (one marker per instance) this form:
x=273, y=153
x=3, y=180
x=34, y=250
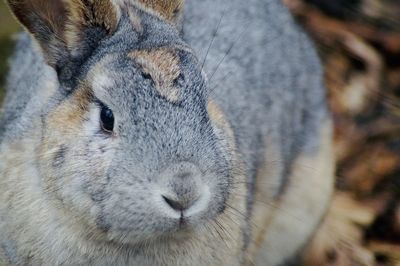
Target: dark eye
x=107, y=119
x=146, y=76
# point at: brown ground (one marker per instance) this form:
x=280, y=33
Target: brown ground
x=360, y=46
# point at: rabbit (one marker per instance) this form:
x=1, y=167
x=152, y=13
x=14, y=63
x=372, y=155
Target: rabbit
x=153, y=132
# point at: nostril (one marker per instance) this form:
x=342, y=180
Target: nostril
x=185, y=204
x=176, y=205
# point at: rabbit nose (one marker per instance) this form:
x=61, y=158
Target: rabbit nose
x=179, y=204
x=184, y=191
x=183, y=187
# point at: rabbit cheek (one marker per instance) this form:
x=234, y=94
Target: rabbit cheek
x=224, y=132
x=61, y=129
x=76, y=157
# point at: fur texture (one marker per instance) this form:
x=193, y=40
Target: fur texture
x=227, y=136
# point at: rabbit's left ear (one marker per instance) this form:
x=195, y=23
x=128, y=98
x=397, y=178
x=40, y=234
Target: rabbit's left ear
x=67, y=30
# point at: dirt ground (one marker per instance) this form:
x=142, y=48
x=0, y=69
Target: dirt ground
x=359, y=43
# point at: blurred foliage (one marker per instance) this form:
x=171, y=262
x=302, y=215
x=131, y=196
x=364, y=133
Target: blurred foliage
x=8, y=27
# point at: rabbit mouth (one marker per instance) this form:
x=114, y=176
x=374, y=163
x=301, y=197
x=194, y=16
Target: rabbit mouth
x=156, y=225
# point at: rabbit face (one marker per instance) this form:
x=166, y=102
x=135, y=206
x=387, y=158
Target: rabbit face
x=136, y=151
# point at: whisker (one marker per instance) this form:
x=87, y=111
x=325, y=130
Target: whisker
x=213, y=224
x=223, y=79
x=212, y=39
x=229, y=50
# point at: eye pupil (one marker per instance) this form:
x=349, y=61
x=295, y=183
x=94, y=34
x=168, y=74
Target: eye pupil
x=107, y=119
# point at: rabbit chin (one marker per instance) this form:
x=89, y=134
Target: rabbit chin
x=168, y=231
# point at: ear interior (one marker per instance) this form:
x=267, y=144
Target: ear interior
x=67, y=30
x=45, y=20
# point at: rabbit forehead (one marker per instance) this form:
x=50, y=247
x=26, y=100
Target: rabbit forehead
x=161, y=65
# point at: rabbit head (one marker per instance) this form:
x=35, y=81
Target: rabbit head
x=131, y=145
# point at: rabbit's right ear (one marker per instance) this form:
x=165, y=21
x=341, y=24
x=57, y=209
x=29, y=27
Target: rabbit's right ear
x=67, y=30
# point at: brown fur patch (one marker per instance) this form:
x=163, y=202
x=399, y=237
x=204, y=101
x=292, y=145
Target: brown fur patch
x=167, y=9
x=71, y=113
x=163, y=67
x=218, y=119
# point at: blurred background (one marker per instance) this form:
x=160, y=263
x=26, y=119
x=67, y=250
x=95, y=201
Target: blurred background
x=359, y=43
x=7, y=27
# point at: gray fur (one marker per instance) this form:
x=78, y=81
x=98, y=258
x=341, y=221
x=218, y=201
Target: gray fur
x=99, y=192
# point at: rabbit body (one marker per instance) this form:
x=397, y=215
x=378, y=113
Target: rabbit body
x=221, y=162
